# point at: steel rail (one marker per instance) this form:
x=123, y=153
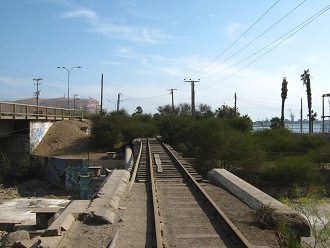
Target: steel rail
x=235, y=234
x=136, y=166
x=158, y=233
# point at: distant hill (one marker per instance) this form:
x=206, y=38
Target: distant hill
x=88, y=105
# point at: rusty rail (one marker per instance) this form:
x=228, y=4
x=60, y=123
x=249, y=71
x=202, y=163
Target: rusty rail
x=10, y=110
x=158, y=233
x=232, y=230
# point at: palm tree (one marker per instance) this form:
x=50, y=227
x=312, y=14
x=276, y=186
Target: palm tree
x=306, y=81
x=283, y=95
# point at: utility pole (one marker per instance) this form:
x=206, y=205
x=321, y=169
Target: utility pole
x=101, y=111
x=323, y=116
x=37, y=82
x=235, y=105
x=75, y=100
x=301, y=116
x=118, y=101
x=172, y=99
x=192, y=96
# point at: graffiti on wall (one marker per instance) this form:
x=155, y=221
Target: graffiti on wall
x=37, y=132
x=73, y=170
x=65, y=173
x=56, y=171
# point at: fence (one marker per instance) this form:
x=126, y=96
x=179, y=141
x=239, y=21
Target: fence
x=24, y=111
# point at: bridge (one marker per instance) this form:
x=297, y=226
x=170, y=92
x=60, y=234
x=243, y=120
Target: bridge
x=22, y=126
x=9, y=110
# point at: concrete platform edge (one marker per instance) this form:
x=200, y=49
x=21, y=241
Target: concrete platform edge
x=257, y=200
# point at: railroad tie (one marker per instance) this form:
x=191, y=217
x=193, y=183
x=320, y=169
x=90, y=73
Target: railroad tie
x=158, y=163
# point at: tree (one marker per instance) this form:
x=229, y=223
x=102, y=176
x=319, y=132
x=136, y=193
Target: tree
x=275, y=123
x=184, y=109
x=283, y=96
x=204, y=111
x=305, y=77
x=226, y=112
x=138, y=111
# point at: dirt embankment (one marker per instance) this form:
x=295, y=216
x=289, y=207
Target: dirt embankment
x=70, y=139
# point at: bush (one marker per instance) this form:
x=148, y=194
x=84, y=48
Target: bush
x=243, y=124
x=276, y=140
x=308, y=142
x=173, y=129
x=215, y=144
x=294, y=170
x=115, y=128
x=321, y=155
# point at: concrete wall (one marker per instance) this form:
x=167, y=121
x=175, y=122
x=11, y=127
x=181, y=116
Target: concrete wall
x=64, y=173
x=38, y=129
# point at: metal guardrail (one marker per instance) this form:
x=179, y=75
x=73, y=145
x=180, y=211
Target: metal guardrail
x=10, y=110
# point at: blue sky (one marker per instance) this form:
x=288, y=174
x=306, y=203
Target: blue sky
x=144, y=48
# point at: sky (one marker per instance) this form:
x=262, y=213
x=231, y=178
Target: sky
x=146, y=47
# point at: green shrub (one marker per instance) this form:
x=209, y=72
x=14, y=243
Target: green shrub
x=114, y=128
x=277, y=140
x=321, y=155
x=294, y=170
x=215, y=144
x=308, y=142
x=243, y=124
x=173, y=128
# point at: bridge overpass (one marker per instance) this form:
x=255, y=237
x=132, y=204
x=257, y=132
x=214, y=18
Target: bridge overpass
x=23, y=126
x=16, y=111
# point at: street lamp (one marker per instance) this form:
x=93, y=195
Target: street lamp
x=68, y=70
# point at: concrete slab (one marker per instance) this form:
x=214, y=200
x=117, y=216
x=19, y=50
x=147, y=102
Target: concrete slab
x=107, y=199
x=257, y=200
x=66, y=218
x=20, y=208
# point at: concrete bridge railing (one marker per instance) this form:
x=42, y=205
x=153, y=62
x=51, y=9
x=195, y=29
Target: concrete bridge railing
x=10, y=110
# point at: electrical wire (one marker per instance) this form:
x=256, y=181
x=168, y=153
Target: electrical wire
x=30, y=74
x=147, y=97
x=263, y=33
x=235, y=41
x=269, y=50
x=273, y=42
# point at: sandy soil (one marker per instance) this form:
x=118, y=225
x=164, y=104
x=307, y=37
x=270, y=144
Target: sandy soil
x=32, y=188
x=132, y=223
x=69, y=139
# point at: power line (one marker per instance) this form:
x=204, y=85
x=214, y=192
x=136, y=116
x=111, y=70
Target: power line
x=297, y=28
x=147, y=97
x=269, y=50
x=263, y=33
x=29, y=74
x=234, y=42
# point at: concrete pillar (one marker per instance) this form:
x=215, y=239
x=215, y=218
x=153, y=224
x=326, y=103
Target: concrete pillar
x=129, y=160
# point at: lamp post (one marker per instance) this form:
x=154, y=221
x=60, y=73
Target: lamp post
x=68, y=70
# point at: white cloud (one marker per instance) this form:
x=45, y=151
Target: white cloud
x=125, y=52
x=109, y=62
x=127, y=32
x=81, y=13
x=173, y=71
x=13, y=82
x=231, y=29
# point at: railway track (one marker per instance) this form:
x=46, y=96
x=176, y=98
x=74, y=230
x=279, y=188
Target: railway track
x=185, y=216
